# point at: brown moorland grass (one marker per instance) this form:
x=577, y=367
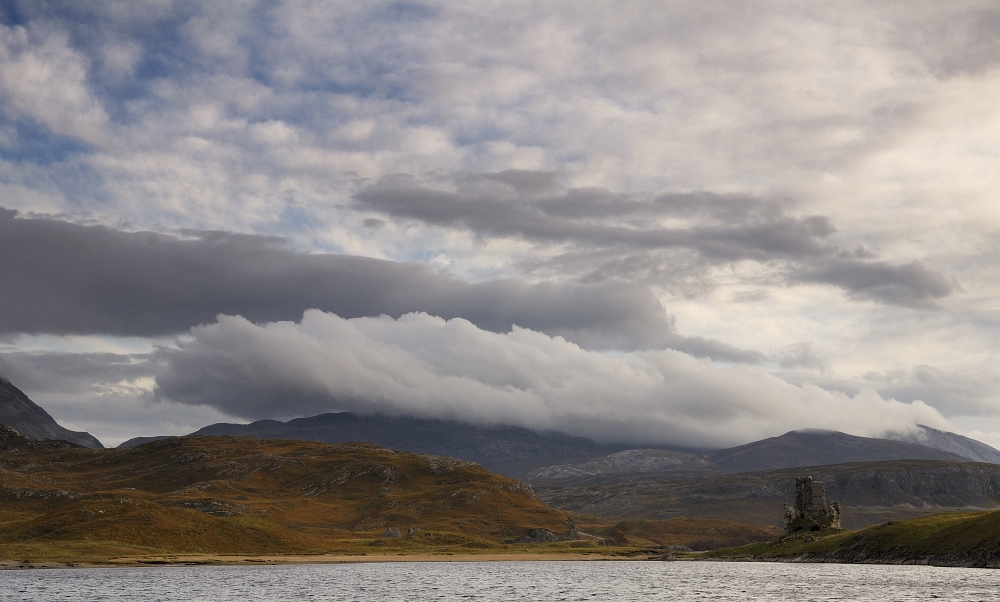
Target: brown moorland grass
x=198, y=497
x=252, y=496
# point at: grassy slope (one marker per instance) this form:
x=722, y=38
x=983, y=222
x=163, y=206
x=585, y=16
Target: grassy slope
x=960, y=539
x=251, y=496
x=230, y=495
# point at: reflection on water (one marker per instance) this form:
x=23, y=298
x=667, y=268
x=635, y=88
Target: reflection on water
x=622, y=581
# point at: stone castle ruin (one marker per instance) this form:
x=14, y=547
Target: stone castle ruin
x=811, y=512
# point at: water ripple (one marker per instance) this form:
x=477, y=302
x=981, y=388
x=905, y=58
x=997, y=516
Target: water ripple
x=513, y=580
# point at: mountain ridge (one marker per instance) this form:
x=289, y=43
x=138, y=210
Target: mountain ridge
x=504, y=448
x=541, y=456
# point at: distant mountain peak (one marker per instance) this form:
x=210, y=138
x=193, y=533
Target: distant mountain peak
x=30, y=420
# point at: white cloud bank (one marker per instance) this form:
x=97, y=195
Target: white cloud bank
x=425, y=366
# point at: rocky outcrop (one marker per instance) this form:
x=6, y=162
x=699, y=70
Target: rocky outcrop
x=617, y=538
x=13, y=441
x=811, y=512
x=547, y=536
x=391, y=533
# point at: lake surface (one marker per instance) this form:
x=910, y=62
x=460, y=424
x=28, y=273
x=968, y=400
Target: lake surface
x=512, y=580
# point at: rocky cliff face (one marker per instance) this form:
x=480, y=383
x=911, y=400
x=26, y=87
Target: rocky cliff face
x=33, y=422
x=869, y=492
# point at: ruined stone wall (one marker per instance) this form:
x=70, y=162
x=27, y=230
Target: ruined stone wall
x=811, y=509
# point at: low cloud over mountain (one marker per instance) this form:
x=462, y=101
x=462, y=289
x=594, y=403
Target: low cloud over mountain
x=424, y=366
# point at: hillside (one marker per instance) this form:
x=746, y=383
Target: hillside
x=32, y=421
x=950, y=442
x=793, y=449
x=870, y=492
x=817, y=448
x=952, y=539
x=544, y=456
x=506, y=449
x=243, y=495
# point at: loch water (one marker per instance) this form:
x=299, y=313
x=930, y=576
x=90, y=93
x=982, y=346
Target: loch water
x=622, y=581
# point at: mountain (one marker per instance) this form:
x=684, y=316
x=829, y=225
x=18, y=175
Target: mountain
x=551, y=455
x=950, y=442
x=811, y=447
x=33, y=422
x=869, y=492
x=506, y=449
x=795, y=448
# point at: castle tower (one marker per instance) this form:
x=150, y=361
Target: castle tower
x=811, y=512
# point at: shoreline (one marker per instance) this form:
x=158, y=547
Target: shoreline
x=249, y=560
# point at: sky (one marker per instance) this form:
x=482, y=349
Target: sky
x=676, y=223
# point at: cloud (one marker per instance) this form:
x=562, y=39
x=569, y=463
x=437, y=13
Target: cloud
x=44, y=79
x=910, y=284
x=757, y=170
x=73, y=373
x=425, y=366
x=719, y=227
x=625, y=235
x=65, y=278
x=801, y=355
x=971, y=392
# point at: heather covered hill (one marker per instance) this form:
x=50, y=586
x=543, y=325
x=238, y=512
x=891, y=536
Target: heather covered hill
x=243, y=495
x=32, y=421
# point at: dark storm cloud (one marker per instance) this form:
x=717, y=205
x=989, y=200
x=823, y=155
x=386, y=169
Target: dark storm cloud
x=631, y=232
x=65, y=278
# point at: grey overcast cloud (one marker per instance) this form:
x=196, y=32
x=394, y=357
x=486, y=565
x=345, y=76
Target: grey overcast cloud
x=677, y=223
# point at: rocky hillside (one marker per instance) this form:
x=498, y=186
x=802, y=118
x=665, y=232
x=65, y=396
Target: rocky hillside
x=32, y=421
x=244, y=495
x=870, y=492
x=625, y=463
x=793, y=449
